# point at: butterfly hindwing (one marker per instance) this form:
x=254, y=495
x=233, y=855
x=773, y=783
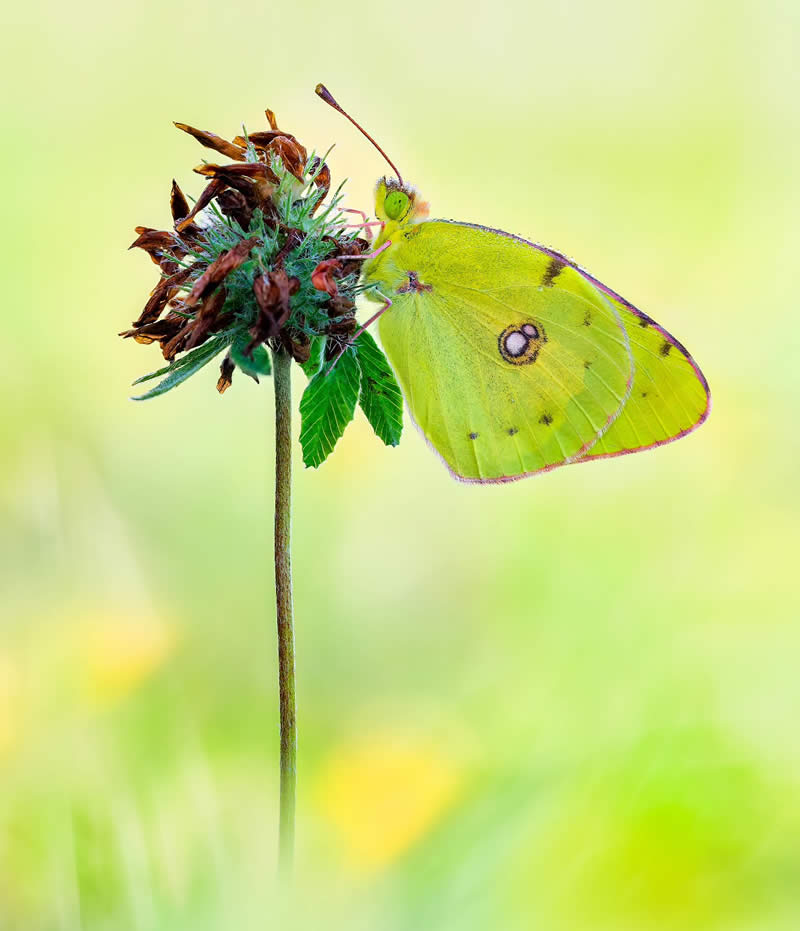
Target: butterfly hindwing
x=670, y=395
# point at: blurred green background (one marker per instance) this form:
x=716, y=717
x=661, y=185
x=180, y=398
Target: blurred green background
x=567, y=703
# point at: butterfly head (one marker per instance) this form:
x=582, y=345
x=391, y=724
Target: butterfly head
x=398, y=202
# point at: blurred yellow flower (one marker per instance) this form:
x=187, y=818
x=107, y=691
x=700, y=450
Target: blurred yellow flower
x=121, y=652
x=383, y=795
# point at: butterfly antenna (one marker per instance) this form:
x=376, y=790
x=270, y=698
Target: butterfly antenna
x=325, y=94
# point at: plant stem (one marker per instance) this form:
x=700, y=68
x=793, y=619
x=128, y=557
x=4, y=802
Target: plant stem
x=282, y=373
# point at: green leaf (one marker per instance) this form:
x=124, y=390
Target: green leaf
x=327, y=407
x=380, y=397
x=315, y=359
x=257, y=363
x=183, y=368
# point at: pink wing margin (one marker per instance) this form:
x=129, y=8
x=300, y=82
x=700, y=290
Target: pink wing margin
x=581, y=456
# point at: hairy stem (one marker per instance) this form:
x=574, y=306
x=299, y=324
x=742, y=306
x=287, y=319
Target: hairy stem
x=282, y=362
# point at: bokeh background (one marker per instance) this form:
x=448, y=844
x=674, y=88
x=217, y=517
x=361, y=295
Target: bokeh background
x=567, y=703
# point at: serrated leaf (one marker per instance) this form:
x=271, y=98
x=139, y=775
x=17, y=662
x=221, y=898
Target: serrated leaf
x=177, y=372
x=380, y=396
x=257, y=363
x=315, y=359
x=327, y=407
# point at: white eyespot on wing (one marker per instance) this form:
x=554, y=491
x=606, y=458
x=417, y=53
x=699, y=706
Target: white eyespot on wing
x=516, y=343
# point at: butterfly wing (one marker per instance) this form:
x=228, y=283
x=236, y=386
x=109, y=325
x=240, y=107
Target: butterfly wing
x=670, y=395
x=513, y=361
x=505, y=374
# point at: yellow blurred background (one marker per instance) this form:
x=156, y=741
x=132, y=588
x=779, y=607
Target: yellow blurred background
x=567, y=703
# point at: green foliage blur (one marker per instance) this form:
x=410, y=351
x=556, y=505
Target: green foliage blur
x=567, y=703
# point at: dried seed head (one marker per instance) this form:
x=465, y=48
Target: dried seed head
x=249, y=263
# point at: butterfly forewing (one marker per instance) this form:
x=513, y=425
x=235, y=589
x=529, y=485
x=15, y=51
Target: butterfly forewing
x=505, y=376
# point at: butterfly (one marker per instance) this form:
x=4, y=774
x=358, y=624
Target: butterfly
x=512, y=359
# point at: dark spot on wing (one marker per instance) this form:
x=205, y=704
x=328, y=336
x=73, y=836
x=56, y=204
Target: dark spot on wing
x=546, y=419
x=587, y=319
x=587, y=364
x=644, y=394
x=473, y=436
x=414, y=285
x=644, y=322
x=681, y=348
x=513, y=430
x=665, y=348
x=552, y=271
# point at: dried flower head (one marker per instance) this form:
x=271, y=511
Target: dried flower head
x=260, y=262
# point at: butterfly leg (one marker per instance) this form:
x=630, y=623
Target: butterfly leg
x=365, y=224
x=353, y=210
x=364, y=258
x=387, y=303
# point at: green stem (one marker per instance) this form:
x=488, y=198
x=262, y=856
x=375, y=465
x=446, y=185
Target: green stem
x=282, y=371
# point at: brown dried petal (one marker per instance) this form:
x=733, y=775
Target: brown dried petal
x=155, y=303
x=213, y=141
x=272, y=292
x=291, y=153
x=272, y=296
x=234, y=205
x=226, y=371
x=207, y=318
x=157, y=242
x=271, y=119
x=298, y=345
x=255, y=180
x=171, y=348
x=161, y=293
x=143, y=338
x=249, y=170
x=323, y=276
x=231, y=199
x=209, y=193
x=293, y=239
x=158, y=330
x=354, y=247
x=321, y=181
x=220, y=268
x=261, y=139
x=265, y=140
x=178, y=204
x=340, y=306
x=343, y=327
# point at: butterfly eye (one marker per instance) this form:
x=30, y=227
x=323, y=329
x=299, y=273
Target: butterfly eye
x=396, y=204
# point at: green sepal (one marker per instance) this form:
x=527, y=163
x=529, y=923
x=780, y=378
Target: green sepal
x=178, y=371
x=327, y=407
x=311, y=367
x=380, y=396
x=255, y=364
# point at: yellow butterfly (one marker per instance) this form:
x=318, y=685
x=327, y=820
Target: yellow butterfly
x=512, y=359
